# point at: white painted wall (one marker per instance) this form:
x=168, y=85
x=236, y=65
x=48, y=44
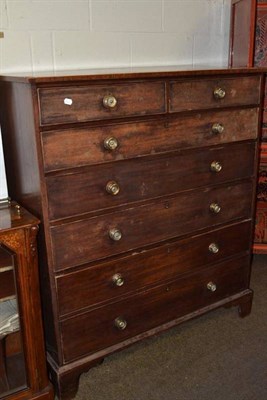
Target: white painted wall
x=65, y=34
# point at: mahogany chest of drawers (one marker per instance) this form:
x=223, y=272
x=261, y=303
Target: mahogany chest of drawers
x=145, y=185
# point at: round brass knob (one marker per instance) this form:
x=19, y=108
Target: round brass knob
x=113, y=188
x=215, y=166
x=120, y=323
x=213, y=248
x=219, y=93
x=215, y=208
x=118, y=280
x=217, y=128
x=111, y=143
x=115, y=234
x=211, y=286
x=109, y=101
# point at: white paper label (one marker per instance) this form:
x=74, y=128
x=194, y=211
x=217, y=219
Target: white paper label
x=68, y=101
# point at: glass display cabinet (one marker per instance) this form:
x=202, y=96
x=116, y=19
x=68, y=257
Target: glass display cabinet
x=12, y=358
x=23, y=373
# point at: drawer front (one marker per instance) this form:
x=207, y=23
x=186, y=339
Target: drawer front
x=199, y=94
x=104, y=282
x=91, y=239
x=61, y=105
x=135, y=180
x=78, y=147
x=151, y=308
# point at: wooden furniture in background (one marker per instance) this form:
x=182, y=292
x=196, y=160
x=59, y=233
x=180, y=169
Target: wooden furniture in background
x=23, y=373
x=145, y=184
x=248, y=47
x=242, y=43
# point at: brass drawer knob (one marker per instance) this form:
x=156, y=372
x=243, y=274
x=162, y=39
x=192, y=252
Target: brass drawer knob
x=215, y=208
x=115, y=234
x=111, y=143
x=118, y=280
x=109, y=101
x=112, y=188
x=219, y=93
x=213, y=248
x=215, y=166
x=217, y=128
x=211, y=286
x=120, y=323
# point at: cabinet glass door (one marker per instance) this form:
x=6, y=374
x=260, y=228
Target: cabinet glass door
x=12, y=360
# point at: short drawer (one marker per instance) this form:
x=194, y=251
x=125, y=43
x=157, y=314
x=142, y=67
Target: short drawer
x=76, y=147
x=102, y=236
x=151, y=308
x=212, y=93
x=62, y=105
x=106, y=281
x=110, y=185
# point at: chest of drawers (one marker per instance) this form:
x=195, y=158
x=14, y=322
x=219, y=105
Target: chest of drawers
x=145, y=185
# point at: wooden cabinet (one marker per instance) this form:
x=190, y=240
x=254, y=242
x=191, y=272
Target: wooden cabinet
x=248, y=47
x=23, y=373
x=145, y=184
x=242, y=43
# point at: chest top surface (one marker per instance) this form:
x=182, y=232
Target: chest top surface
x=172, y=71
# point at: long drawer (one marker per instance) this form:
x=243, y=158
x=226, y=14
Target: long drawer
x=197, y=94
x=98, y=237
x=106, y=281
x=118, y=183
x=76, y=147
x=61, y=105
x=87, y=333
